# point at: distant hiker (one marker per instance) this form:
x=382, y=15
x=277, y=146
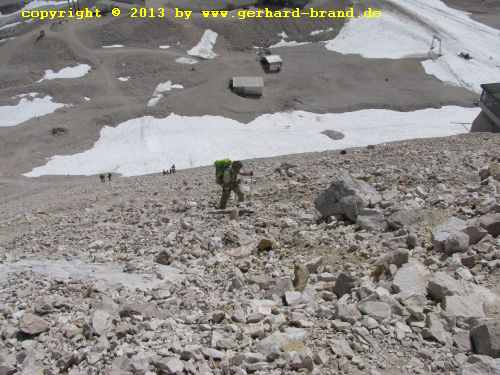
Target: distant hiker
x=172, y=169
x=465, y=55
x=102, y=177
x=40, y=36
x=109, y=177
x=163, y=172
x=226, y=175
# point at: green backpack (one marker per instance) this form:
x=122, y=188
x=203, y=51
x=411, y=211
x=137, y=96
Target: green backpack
x=220, y=167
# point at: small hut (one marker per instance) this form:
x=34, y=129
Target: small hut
x=271, y=63
x=247, y=86
x=489, y=118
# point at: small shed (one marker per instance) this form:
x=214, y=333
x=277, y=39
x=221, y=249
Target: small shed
x=247, y=86
x=490, y=102
x=271, y=63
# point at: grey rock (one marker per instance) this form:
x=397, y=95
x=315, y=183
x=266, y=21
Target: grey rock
x=341, y=348
x=293, y=298
x=456, y=242
x=465, y=307
x=480, y=365
x=442, y=232
x=346, y=196
x=377, y=310
x=31, y=324
x=411, y=279
x=301, y=277
x=486, y=338
x=344, y=284
x=371, y=220
x=435, y=330
x=347, y=312
x=441, y=285
x=101, y=321
x=462, y=340
x=491, y=223
x=314, y=264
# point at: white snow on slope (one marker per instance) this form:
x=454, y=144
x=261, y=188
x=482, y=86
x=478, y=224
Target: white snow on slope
x=164, y=46
x=123, y=79
x=161, y=88
x=77, y=71
x=204, y=48
x=10, y=25
x=114, y=46
x=285, y=43
x=396, y=35
x=28, y=107
x=186, y=60
x=145, y=145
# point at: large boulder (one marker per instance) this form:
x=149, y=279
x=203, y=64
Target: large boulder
x=344, y=284
x=442, y=284
x=486, y=338
x=491, y=223
x=411, y=279
x=346, y=196
x=375, y=309
x=443, y=235
x=465, y=307
x=371, y=220
x=480, y=365
x=33, y=325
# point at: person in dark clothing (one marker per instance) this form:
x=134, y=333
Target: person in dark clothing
x=102, y=177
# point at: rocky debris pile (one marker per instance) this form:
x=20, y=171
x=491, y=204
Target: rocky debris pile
x=362, y=263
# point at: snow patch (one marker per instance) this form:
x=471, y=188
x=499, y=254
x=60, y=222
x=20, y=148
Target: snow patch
x=186, y=60
x=28, y=107
x=114, y=46
x=10, y=25
x=285, y=43
x=145, y=145
x=123, y=79
x=397, y=35
x=164, y=47
x=69, y=72
x=317, y=32
x=204, y=48
x=161, y=88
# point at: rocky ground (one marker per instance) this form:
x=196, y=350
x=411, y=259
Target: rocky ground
x=382, y=260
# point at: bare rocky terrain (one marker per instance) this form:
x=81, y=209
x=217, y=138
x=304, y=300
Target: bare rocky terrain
x=381, y=260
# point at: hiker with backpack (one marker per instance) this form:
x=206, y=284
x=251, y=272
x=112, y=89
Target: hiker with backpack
x=226, y=175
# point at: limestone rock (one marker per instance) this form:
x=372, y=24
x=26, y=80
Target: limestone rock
x=344, y=284
x=377, y=310
x=442, y=232
x=441, y=284
x=301, y=276
x=371, y=220
x=31, y=324
x=486, y=338
x=346, y=196
x=411, y=279
x=491, y=223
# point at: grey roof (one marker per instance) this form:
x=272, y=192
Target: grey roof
x=492, y=88
x=248, y=81
x=272, y=59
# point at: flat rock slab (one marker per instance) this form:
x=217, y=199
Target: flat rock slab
x=411, y=279
x=110, y=275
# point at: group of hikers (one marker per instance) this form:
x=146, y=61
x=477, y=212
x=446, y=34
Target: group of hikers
x=172, y=170
x=226, y=175
x=102, y=177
